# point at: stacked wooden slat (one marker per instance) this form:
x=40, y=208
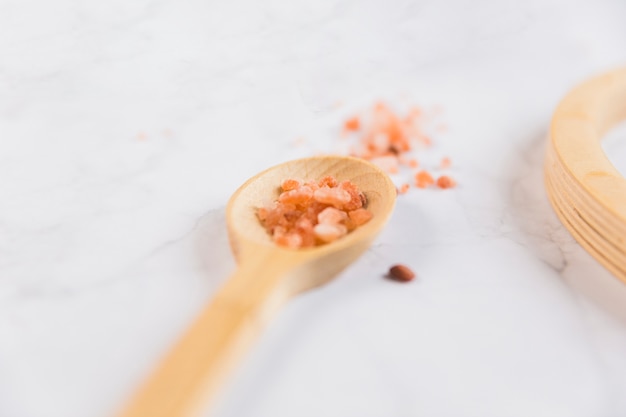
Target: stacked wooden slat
x=585, y=189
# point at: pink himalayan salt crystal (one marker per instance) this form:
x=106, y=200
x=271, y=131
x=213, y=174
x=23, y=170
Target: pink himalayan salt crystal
x=290, y=240
x=328, y=181
x=329, y=232
x=276, y=215
x=334, y=196
x=357, y=199
x=331, y=215
x=299, y=195
x=313, y=185
x=360, y=216
x=262, y=213
x=290, y=184
x=304, y=223
x=298, y=220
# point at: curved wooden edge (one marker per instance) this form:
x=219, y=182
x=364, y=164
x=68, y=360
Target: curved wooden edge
x=585, y=234
x=583, y=237
x=595, y=215
x=587, y=192
x=578, y=125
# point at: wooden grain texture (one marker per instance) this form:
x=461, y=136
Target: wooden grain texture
x=586, y=190
x=190, y=375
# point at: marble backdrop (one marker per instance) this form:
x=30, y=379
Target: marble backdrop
x=126, y=125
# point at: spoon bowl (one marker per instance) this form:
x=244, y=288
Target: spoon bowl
x=249, y=238
x=266, y=277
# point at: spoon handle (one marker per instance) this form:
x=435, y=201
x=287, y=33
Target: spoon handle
x=190, y=374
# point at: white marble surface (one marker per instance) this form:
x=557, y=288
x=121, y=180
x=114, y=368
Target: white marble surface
x=125, y=126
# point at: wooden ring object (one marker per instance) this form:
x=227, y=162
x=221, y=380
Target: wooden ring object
x=585, y=189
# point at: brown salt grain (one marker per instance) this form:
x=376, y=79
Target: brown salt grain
x=401, y=273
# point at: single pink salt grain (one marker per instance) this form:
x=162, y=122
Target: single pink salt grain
x=357, y=198
x=423, y=179
x=352, y=124
x=331, y=215
x=329, y=232
x=403, y=188
x=334, y=196
x=327, y=181
x=297, y=196
x=313, y=185
x=304, y=223
x=262, y=213
x=290, y=184
x=445, y=181
x=290, y=240
x=360, y=216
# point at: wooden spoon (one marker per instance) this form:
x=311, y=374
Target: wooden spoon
x=267, y=276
